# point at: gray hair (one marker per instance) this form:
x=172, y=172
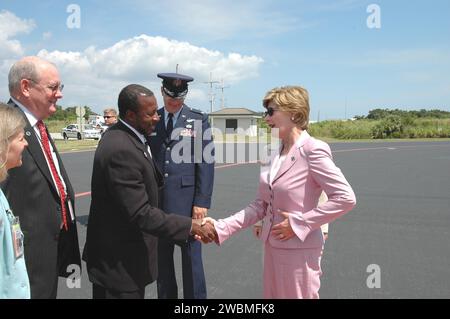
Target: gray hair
x=26, y=68
x=23, y=69
x=110, y=110
x=11, y=123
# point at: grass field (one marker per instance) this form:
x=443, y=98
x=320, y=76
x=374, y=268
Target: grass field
x=75, y=145
x=429, y=130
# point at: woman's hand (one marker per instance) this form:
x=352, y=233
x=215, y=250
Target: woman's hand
x=283, y=231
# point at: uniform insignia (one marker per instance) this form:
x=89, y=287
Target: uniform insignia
x=28, y=133
x=188, y=133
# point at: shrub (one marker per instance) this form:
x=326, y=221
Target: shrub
x=389, y=127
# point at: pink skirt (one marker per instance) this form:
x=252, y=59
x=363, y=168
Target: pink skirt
x=292, y=273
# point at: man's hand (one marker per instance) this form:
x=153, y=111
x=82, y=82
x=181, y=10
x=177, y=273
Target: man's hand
x=199, y=212
x=203, y=231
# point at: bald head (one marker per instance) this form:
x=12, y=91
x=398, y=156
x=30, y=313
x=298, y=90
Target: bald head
x=31, y=68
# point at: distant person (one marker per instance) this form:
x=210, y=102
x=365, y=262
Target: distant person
x=288, y=195
x=110, y=117
x=187, y=187
x=14, y=283
x=124, y=219
x=39, y=191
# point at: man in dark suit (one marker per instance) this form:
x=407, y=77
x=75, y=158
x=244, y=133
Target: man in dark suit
x=124, y=219
x=185, y=156
x=39, y=191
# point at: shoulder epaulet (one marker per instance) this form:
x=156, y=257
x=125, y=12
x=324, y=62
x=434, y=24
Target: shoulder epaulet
x=196, y=111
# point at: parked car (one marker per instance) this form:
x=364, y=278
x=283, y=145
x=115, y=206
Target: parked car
x=73, y=131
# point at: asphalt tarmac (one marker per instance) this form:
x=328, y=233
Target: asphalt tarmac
x=394, y=244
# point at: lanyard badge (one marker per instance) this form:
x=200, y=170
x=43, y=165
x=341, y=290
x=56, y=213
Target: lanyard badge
x=16, y=234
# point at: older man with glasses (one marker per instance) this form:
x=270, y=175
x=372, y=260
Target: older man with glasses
x=39, y=191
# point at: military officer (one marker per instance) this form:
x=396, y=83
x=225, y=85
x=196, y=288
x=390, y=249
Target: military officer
x=178, y=144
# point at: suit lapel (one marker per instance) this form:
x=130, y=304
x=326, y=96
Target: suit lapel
x=142, y=148
x=290, y=159
x=35, y=150
x=292, y=156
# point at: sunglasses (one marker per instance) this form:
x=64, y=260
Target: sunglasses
x=270, y=111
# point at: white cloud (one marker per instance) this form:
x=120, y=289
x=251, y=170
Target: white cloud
x=95, y=76
x=10, y=26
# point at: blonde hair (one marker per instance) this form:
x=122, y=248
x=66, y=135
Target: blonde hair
x=291, y=99
x=11, y=123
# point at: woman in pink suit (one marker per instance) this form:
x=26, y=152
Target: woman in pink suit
x=287, y=200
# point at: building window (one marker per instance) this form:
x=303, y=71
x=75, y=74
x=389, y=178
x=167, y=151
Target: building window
x=230, y=126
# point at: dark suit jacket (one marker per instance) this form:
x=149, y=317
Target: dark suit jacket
x=191, y=181
x=33, y=197
x=121, y=247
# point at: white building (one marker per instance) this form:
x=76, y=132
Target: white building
x=228, y=120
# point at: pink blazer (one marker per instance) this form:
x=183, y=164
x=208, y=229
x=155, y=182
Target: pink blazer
x=307, y=170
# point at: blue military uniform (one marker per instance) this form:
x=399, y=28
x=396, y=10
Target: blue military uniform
x=188, y=181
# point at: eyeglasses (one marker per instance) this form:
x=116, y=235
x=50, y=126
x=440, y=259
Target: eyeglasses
x=108, y=116
x=54, y=88
x=270, y=111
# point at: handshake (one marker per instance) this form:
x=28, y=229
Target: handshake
x=203, y=229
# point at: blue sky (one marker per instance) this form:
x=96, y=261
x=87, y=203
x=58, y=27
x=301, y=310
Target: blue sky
x=255, y=45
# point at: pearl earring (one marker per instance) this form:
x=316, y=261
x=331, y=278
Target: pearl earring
x=292, y=119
